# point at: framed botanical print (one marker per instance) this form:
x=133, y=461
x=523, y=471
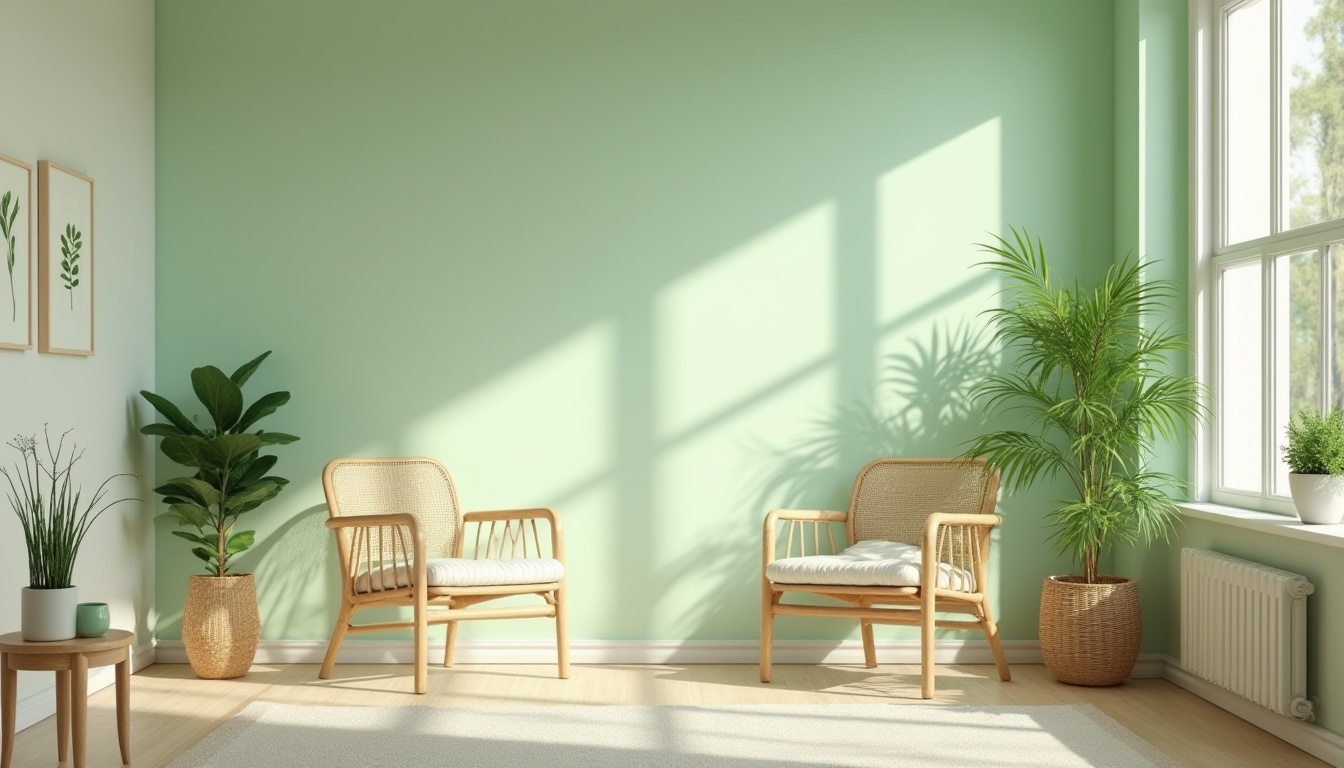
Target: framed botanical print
x=64, y=260
x=16, y=254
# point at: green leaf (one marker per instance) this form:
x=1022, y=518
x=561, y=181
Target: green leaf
x=275, y=438
x=221, y=397
x=170, y=412
x=253, y=471
x=161, y=430
x=189, y=514
x=240, y=541
x=198, y=491
x=228, y=450
x=187, y=450
x=245, y=372
x=263, y=407
x=257, y=493
x=192, y=537
x=208, y=555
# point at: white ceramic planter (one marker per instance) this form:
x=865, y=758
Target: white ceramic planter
x=1319, y=498
x=49, y=614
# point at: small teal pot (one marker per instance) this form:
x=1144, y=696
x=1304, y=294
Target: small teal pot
x=92, y=619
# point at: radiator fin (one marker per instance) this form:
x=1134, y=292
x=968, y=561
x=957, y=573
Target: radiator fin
x=1244, y=627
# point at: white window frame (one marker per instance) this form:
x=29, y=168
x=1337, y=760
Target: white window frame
x=1207, y=234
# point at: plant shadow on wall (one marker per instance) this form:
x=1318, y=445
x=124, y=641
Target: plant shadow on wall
x=922, y=410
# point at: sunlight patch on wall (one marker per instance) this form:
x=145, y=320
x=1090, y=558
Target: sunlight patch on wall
x=746, y=321
x=711, y=493
x=931, y=211
x=534, y=432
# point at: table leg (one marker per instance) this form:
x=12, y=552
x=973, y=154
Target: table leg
x=124, y=708
x=79, y=704
x=62, y=714
x=9, y=693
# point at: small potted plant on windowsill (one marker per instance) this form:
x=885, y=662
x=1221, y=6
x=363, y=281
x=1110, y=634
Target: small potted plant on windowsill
x=1315, y=457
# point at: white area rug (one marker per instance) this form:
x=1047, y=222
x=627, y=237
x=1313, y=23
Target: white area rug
x=758, y=736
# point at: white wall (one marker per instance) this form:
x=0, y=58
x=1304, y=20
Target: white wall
x=77, y=88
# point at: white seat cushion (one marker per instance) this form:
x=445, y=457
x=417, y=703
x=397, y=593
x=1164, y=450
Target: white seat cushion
x=872, y=563
x=459, y=572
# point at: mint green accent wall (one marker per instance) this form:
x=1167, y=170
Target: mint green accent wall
x=661, y=266
x=1152, y=222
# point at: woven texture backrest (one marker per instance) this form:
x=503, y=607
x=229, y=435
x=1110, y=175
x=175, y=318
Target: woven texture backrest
x=421, y=487
x=893, y=497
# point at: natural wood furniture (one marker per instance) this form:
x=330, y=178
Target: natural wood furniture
x=71, y=661
x=922, y=526
x=402, y=539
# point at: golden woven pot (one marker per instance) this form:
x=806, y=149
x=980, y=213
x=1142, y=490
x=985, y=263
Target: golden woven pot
x=221, y=626
x=1090, y=633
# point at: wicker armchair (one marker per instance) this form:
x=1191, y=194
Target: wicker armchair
x=911, y=523
x=402, y=537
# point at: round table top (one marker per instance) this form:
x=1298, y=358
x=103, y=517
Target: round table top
x=115, y=638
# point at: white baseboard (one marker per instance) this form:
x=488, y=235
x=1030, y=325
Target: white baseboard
x=355, y=651
x=1308, y=737
x=37, y=707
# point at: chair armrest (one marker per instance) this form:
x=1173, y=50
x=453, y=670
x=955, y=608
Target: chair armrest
x=510, y=516
x=814, y=516
x=360, y=550
x=967, y=553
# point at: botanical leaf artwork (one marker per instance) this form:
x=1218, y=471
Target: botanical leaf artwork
x=71, y=242
x=7, y=216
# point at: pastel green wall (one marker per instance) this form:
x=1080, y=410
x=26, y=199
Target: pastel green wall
x=661, y=266
x=1152, y=223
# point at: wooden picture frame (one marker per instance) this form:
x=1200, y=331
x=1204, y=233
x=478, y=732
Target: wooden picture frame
x=65, y=253
x=16, y=254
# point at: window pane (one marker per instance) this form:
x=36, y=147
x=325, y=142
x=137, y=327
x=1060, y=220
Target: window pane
x=1248, y=121
x=1336, y=323
x=1239, y=401
x=1315, y=96
x=1297, y=347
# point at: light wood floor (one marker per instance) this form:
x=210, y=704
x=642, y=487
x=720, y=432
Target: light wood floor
x=172, y=710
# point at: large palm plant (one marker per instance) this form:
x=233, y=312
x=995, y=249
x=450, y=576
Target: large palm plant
x=1091, y=396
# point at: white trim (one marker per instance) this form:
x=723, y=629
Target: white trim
x=35, y=708
x=1308, y=737
x=1265, y=522
x=355, y=651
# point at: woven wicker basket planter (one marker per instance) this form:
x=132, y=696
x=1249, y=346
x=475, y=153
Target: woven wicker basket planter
x=221, y=625
x=1090, y=633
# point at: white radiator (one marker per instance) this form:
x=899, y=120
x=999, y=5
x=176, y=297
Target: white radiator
x=1244, y=627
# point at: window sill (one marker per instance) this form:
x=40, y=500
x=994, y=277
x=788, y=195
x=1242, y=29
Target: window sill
x=1265, y=522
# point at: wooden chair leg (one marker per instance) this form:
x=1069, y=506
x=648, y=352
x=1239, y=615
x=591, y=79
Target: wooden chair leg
x=334, y=644
x=767, y=628
x=992, y=635
x=421, y=639
x=926, y=644
x=562, y=631
x=869, y=649
x=450, y=644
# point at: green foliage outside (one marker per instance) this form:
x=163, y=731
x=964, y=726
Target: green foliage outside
x=1315, y=443
x=1316, y=131
x=231, y=477
x=1090, y=393
x=47, y=501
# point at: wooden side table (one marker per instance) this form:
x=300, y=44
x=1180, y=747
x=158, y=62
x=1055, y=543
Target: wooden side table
x=70, y=660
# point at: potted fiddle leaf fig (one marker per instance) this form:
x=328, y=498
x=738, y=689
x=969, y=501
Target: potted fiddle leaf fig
x=231, y=477
x=1315, y=458
x=1094, y=403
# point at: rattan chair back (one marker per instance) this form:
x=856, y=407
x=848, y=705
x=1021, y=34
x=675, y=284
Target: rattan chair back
x=894, y=497
x=419, y=486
